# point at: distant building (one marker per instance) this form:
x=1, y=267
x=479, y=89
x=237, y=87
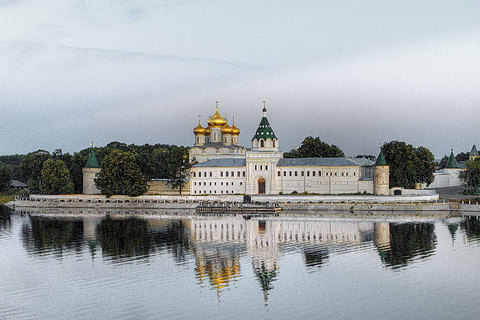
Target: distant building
x=90, y=172
x=450, y=175
x=221, y=166
x=18, y=185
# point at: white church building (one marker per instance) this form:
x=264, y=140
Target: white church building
x=221, y=166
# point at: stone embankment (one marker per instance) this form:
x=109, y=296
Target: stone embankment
x=425, y=204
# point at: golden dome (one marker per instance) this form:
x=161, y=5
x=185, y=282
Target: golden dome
x=226, y=129
x=217, y=120
x=207, y=130
x=235, y=130
x=199, y=129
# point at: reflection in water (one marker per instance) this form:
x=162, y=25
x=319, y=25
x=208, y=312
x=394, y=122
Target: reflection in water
x=217, y=243
x=471, y=225
x=134, y=237
x=48, y=234
x=399, y=244
x=5, y=221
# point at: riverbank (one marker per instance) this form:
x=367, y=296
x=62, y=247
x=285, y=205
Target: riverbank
x=416, y=205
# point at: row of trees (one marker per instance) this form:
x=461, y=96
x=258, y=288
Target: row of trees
x=58, y=172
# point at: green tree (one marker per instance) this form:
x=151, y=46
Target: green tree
x=5, y=176
x=121, y=175
x=314, y=148
x=408, y=165
x=55, y=178
x=425, y=165
x=471, y=175
x=178, y=168
x=31, y=168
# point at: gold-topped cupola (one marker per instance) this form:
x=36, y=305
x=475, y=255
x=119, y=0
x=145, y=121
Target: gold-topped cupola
x=217, y=121
x=199, y=129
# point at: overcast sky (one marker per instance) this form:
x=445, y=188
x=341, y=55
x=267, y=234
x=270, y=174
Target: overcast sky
x=354, y=73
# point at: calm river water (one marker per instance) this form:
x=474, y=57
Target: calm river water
x=287, y=267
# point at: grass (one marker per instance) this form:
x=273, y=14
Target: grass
x=7, y=196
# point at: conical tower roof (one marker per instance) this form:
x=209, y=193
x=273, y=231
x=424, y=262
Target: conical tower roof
x=381, y=160
x=452, y=162
x=92, y=161
x=264, y=130
x=474, y=152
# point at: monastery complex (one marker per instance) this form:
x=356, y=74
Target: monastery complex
x=222, y=166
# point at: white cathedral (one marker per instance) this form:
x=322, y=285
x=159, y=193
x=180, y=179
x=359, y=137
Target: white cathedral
x=221, y=166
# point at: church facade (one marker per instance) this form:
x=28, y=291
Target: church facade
x=222, y=166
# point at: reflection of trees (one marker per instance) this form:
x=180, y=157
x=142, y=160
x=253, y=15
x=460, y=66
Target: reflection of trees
x=5, y=221
x=53, y=234
x=126, y=237
x=315, y=257
x=472, y=227
x=133, y=237
x=408, y=241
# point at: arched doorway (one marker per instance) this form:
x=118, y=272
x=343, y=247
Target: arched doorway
x=261, y=186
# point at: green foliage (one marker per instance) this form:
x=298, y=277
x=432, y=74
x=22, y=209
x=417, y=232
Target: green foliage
x=471, y=175
x=55, y=178
x=31, y=168
x=314, y=148
x=367, y=156
x=5, y=176
x=178, y=168
x=14, y=161
x=408, y=165
x=443, y=162
x=462, y=156
x=121, y=174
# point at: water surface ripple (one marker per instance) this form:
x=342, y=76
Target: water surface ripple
x=120, y=267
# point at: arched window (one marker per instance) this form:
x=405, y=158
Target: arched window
x=262, y=144
x=274, y=143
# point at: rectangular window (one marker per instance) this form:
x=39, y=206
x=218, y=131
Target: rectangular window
x=346, y=174
x=226, y=173
x=221, y=183
x=238, y=173
x=284, y=173
x=290, y=173
x=199, y=174
x=210, y=184
x=226, y=183
x=319, y=173
x=255, y=167
x=221, y=173
x=233, y=174
x=244, y=173
x=261, y=167
x=308, y=173
x=278, y=173
x=226, y=191
x=266, y=167
x=303, y=173
x=313, y=173
x=241, y=183
x=204, y=183
x=194, y=174
x=210, y=174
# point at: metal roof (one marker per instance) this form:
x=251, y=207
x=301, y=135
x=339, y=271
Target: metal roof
x=324, y=162
x=223, y=162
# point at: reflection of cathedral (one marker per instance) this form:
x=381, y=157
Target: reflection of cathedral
x=217, y=239
x=221, y=166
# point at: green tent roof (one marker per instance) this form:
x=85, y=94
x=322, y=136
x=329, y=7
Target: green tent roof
x=264, y=130
x=381, y=160
x=452, y=162
x=92, y=161
x=474, y=152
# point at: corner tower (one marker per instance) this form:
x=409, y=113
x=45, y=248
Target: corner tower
x=90, y=172
x=381, y=176
x=264, y=138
